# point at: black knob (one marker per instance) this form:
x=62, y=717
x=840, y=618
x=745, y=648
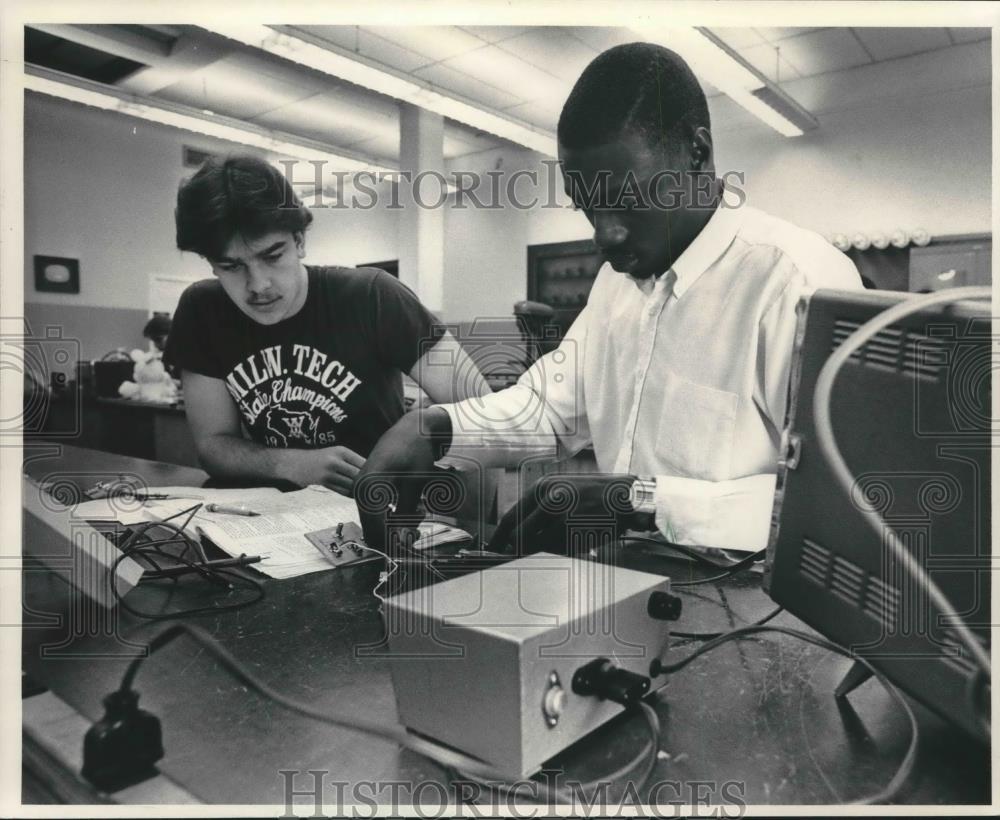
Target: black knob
x=664, y=607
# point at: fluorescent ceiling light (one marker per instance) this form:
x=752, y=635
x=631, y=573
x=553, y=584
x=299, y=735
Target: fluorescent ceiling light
x=54, y=84
x=306, y=50
x=713, y=62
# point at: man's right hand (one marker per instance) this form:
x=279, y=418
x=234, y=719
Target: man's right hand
x=389, y=487
x=334, y=467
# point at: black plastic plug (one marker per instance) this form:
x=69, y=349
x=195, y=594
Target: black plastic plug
x=602, y=678
x=123, y=746
x=663, y=606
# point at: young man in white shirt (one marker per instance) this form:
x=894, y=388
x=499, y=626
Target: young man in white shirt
x=676, y=371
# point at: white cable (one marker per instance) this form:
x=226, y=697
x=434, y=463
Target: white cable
x=382, y=581
x=828, y=446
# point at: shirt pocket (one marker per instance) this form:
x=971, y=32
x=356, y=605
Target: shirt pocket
x=696, y=430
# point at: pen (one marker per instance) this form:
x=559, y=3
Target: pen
x=223, y=563
x=230, y=509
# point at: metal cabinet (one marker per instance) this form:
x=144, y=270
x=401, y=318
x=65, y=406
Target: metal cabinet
x=951, y=265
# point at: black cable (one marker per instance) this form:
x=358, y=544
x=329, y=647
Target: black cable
x=136, y=548
x=708, y=636
x=905, y=769
x=727, y=569
x=690, y=552
x=445, y=757
x=977, y=693
x=732, y=569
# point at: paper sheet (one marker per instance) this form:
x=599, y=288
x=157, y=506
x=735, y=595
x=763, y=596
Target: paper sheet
x=277, y=533
x=129, y=512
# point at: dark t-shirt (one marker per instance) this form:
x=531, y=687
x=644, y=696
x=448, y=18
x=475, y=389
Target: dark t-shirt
x=328, y=375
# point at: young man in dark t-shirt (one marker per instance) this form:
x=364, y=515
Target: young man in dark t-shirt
x=306, y=360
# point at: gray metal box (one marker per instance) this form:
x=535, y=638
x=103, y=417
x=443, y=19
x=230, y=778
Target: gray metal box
x=478, y=662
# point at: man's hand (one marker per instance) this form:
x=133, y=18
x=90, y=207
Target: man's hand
x=334, y=467
x=543, y=517
x=389, y=487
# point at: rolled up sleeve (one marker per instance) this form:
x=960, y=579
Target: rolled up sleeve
x=733, y=514
x=543, y=415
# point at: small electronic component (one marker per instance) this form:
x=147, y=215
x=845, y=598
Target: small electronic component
x=343, y=545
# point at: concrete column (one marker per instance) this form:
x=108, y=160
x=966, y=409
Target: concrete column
x=421, y=225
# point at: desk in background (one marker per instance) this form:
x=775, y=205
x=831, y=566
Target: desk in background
x=758, y=712
x=127, y=427
x=160, y=433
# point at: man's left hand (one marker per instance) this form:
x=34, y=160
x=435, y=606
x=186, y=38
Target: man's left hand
x=544, y=517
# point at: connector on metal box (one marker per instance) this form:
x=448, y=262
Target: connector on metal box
x=602, y=678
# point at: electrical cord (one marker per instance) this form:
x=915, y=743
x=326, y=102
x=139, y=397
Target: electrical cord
x=732, y=569
x=708, y=636
x=447, y=758
x=139, y=545
x=728, y=570
x=828, y=447
x=905, y=769
x=695, y=555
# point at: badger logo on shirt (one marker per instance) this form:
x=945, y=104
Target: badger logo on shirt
x=290, y=427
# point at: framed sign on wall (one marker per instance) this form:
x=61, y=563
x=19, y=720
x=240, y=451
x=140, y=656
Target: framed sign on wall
x=57, y=274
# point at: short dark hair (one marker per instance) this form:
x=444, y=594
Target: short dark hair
x=159, y=325
x=238, y=195
x=638, y=87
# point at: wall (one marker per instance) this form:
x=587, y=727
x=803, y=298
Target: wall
x=485, y=248
x=921, y=162
x=100, y=187
x=900, y=164
x=352, y=236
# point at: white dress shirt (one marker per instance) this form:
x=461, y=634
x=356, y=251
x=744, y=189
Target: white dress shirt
x=683, y=377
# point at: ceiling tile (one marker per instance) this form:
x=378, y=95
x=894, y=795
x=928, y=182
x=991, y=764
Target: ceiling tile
x=459, y=141
x=227, y=88
x=494, y=34
x=260, y=62
x=538, y=114
x=551, y=50
x=335, y=119
x=767, y=60
x=380, y=44
x=601, y=38
x=388, y=53
x=343, y=36
x=889, y=43
x=889, y=82
x=434, y=42
x=448, y=79
x=969, y=35
x=774, y=35
x=831, y=49
x=739, y=38
x=381, y=145
x=498, y=68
